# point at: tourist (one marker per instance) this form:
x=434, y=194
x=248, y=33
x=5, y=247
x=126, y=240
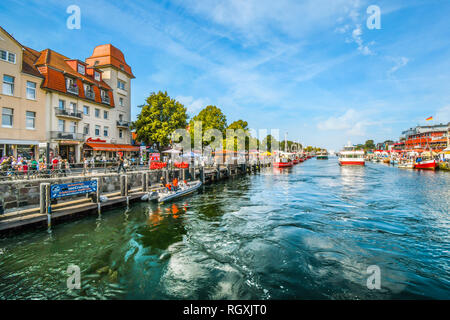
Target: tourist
x=175, y=184
x=34, y=165
x=121, y=166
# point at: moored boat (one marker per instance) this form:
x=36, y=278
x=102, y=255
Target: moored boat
x=426, y=164
x=184, y=189
x=349, y=156
x=322, y=155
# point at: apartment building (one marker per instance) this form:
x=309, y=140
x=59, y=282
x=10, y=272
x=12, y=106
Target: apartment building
x=22, y=102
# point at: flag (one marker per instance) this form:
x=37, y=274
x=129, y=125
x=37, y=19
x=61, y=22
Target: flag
x=429, y=118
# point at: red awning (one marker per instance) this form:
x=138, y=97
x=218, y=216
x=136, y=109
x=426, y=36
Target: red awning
x=99, y=146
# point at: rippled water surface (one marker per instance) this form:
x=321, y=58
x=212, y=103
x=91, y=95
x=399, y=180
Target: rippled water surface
x=309, y=232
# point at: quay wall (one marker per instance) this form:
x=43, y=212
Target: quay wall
x=24, y=193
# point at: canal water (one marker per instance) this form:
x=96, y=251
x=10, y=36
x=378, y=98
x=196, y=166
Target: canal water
x=310, y=232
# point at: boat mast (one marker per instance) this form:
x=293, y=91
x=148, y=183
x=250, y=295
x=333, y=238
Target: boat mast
x=285, y=141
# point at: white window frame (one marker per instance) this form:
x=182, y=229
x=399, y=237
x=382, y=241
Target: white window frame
x=97, y=76
x=33, y=118
x=9, y=115
x=99, y=128
x=31, y=89
x=8, y=54
x=63, y=122
x=11, y=84
x=81, y=69
x=95, y=113
x=105, y=115
x=84, y=109
x=106, y=129
x=88, y=129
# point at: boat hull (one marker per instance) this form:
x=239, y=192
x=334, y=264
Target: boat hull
x=352, y=163
x=426, y=165
x=172, y=196
x=282, y=164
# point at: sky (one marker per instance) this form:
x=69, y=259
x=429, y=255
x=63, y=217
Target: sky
x=311, y=68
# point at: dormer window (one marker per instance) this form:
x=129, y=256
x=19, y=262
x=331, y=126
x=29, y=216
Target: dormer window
x=97, y=76
x=71, y=86
x=81, y=69
x=89, y=91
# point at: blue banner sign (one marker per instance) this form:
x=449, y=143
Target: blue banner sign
x=72, y=189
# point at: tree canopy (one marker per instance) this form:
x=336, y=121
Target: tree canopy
x=159, y=117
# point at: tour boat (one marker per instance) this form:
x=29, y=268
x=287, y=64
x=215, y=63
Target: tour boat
x=406, y=164
x=184, y=189
x=322, y=155
x=349, y=156
x=426, y=164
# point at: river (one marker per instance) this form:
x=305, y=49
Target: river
x=310, y=232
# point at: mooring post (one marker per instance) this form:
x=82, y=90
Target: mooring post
x=144, y=181
x=123, y=185
x=42, y=206
x=97, y=196
x=202, y=174
x=48, y=207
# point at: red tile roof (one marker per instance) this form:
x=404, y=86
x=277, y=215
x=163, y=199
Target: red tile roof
x=55, y=67
x=108, y=55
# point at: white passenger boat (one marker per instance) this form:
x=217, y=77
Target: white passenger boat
x=349, y=156
x=183, y=190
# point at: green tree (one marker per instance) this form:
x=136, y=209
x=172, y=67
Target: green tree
x=159, y=117
x=369, y=145
x=268, y=142
x=239, y=124
x=211, y=118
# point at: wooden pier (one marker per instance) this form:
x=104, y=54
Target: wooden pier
x=62, y=210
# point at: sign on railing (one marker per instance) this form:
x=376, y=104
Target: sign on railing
x=71, y=189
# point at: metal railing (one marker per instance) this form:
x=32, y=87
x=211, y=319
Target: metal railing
x=122, y=123
x=90, y=95
x=105, y=99
x=68, y=113
x=72, y=89
x=58, y=135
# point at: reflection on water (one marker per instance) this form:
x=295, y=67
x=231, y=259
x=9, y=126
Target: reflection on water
x=308, y=232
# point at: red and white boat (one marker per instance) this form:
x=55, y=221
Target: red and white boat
x=282, y=161
x=349, y=156
x=426, y=164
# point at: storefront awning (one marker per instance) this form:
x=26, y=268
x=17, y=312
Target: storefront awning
x=21, y=142
x=99, y=146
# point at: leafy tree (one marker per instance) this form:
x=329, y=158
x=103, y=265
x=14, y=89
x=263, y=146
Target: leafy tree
x=211, y=118
x=240, y=124
x=159, y=117
x=268, y=142
x=369, y=145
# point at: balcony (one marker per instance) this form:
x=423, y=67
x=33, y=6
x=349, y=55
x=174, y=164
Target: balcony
x=123, y=124
x=72, y=89
x=63, y=113
x=90, y=95
x=105, y=99
x=58, y=135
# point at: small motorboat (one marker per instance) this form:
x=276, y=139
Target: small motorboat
x=426, y=164
x=183, y=190
x=406, y=165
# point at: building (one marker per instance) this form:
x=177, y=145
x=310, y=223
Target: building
x=421, y=137
x=22, y=102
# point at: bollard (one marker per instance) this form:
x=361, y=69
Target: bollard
x=123, y=185
x=202, y=175
x=144, y=181
x=97, y=196
x=42, y=206
x=48, y=207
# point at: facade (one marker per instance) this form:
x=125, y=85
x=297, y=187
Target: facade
x=421, y=137
x=22, y=102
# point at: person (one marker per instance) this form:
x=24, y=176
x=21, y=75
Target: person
x=34, y=165
x=85, y=165
x=175, y=184
x=162, y=181
x=121, y=161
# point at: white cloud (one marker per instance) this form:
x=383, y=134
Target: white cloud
x=350, y=123
x=193, y=105
x=399, y=63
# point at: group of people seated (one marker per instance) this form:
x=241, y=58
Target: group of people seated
x=173, y=186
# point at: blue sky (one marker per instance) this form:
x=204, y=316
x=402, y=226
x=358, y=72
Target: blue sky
x=311, y=68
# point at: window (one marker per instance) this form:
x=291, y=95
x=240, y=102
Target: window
x=62, y=104
x=97, y=130
x=7, y=117
x=120, y=84
x=97, y=113
x=8, y=85
x=86, y=110
x=61, y=125
x=105, y=131
x=31, y=120
x=120, y=133
x=7, y=56
x=86, y=129
x=31, y=90
x=120, y=117
x=81, y=69
x=73, y=127
x=96, y=75
x=121, y=102
x=73, y=107
x=105, y=114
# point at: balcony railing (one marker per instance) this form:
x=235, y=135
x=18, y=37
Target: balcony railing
x=58, y=135
x=90, y=95
x=68, y=113
x=105, y=99
x=123, y=124
x=72, y=89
